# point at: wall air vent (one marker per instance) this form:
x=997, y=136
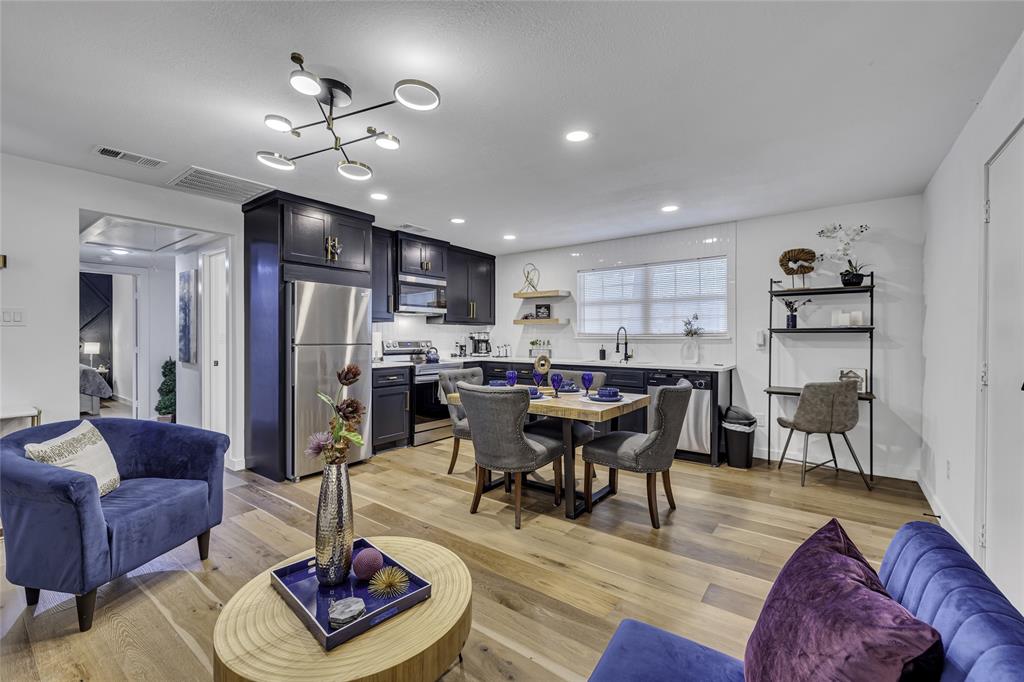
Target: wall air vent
x=130, y=157
x=218, y=185
x=413, y=229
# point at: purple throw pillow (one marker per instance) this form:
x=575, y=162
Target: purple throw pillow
x=827, y=617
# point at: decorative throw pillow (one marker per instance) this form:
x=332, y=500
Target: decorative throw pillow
x=80, y=449
x=828, y=617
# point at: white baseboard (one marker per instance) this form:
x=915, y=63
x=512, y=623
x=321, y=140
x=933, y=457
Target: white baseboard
x=944, y=519
x=121, y=399
x=232, y=461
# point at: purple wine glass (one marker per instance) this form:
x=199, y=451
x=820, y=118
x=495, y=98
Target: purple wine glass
x=556, y=382
x=588, y=380
x=538, y=378
x=511, y=376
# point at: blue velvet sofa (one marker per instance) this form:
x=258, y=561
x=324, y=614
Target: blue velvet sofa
x=61, y=535
x=924, y=569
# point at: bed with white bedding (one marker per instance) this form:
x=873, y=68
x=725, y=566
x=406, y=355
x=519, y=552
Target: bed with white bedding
x=91, y=389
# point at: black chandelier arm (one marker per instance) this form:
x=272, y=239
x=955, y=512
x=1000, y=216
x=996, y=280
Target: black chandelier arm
x=341, y=116
x=318, y=151
x=340, y=147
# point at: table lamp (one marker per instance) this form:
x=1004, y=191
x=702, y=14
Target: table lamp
x=91, y=348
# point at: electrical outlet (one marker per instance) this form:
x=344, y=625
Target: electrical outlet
x=13, y=317
x=949, y=470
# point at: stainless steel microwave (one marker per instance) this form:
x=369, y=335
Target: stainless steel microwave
x=423, y=295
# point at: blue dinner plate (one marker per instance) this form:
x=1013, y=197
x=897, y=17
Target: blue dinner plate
x=539, y=396
x=569, y=390
x=599, y=399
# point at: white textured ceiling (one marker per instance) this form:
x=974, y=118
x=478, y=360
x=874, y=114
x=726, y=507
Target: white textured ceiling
x=730, y=110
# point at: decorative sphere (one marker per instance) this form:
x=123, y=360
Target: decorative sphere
x=367, y=562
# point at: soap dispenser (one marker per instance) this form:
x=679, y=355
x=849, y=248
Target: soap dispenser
x=602, y=354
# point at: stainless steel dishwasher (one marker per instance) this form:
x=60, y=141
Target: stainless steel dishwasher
x=699, y=424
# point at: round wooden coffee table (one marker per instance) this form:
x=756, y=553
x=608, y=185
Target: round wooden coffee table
x=257, y=637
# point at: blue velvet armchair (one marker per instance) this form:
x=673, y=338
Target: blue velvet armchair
x=61, y=535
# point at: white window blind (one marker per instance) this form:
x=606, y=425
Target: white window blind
x=654, y=299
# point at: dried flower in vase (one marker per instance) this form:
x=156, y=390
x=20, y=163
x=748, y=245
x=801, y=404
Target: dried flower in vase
x=343, y=431
x=349, y=375
x=793, y=305
x=390, y=581
x=691, y=328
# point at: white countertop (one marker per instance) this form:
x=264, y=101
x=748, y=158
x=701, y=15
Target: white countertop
x=560, y=362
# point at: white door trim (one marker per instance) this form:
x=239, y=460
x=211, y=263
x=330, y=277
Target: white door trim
x=204, y=378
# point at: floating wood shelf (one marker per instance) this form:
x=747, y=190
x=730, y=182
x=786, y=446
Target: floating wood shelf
x=550, y=320
x=547, y=293
x=795, y=391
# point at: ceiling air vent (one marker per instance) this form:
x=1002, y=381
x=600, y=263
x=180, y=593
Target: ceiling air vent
x=414, y=229
x=130, y=157
x=218, y=185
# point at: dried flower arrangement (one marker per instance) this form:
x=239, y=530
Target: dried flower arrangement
x=845, y=237
x=691, y=328
x=792, y=305
x=334, y=443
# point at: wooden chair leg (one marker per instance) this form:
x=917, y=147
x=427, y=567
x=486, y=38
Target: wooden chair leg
x=31, y=596
x=518, y=483
x=86, y=606
x=481, y=473
x=558, y=480
x=652, y=498
x=588, y=486
x=455, y=454
x=784, y=448
x=666, y=480
x=613, y=481
x=204, y=545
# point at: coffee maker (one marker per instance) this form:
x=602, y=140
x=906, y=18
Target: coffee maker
x=480, y=343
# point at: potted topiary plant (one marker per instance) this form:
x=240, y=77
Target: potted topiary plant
x=166, y=406
x=853, y=275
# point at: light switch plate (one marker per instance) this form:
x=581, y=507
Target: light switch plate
x=13, y=317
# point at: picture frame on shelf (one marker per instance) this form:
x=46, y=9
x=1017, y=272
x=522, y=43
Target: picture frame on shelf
x=860, y=374
x=542, y=311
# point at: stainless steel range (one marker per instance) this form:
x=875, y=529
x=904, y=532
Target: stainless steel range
x=430, y=415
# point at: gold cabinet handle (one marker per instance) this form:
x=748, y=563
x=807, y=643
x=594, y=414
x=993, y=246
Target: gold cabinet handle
x=391, y=304
x=407, y=401
x=333, y=248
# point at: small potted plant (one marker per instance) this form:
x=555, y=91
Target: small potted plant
x=691, y=348
x=853, y=275
x=792, y=305
x=165, y=407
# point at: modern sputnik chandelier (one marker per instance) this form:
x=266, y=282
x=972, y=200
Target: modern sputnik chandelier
x=331, y=94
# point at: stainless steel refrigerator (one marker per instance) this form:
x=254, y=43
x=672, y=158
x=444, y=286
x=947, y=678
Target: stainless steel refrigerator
x=330, y=328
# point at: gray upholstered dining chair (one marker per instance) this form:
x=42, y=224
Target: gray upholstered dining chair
x=551, y=427
x=643, y=453
x=824, y=407
x=460, y=424
x=501, y=444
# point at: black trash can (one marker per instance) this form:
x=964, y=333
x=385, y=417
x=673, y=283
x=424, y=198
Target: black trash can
x=739, y=426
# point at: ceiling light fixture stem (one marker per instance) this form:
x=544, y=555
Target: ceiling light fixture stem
x=318, y=151
x=345, y=115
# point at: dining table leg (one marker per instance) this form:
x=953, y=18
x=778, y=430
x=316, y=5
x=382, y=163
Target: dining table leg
x=569, y=469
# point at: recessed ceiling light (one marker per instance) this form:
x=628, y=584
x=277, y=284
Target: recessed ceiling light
x=416, y=94
x=305, y=82
x=509, y=237
x=278, y=123
x=389, y=142
x=577, y=136
x=275, y=160
x=120, y=252
x=379, y=196
x=458, y=221
x=671, y=208
x=355, y=170
x=575, y=254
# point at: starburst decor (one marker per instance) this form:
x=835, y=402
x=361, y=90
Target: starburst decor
x=388, y=582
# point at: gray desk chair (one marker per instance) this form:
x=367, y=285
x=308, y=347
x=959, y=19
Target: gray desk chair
x=552, y=428
x=460, y=424
x=825, y=407
x=500, y=442
x=643, y=453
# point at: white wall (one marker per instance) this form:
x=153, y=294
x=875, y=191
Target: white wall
x=894, y=247
x=953, y=217
x=122, y=331
x=189, y=397
x=39, y=222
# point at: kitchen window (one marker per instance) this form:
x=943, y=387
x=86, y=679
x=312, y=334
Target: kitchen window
x=654, y=299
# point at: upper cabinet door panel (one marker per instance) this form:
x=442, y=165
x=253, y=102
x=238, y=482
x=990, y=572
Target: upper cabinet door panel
x=305, y=233
x=482, y=289
x=460, y=309
x=383, y=277
x=410, y=255
x=436, y=257
x=354, y=244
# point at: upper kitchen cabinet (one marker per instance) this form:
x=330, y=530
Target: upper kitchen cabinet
x=470, y=287
x=420, y=256
x=334, y=238
x=383, y=276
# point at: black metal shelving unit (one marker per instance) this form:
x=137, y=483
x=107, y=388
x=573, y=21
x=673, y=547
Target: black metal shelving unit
x=867, y=396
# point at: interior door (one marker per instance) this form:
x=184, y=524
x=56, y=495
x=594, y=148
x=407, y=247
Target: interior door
x=1004, y=503
x=215, y=413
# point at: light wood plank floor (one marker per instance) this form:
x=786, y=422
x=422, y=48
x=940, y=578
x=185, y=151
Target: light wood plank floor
x=546, y=598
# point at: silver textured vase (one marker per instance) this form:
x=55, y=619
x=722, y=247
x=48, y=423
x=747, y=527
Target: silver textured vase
x=334, y=532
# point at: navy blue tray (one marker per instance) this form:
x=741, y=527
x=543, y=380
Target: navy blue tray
x=298, y=585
